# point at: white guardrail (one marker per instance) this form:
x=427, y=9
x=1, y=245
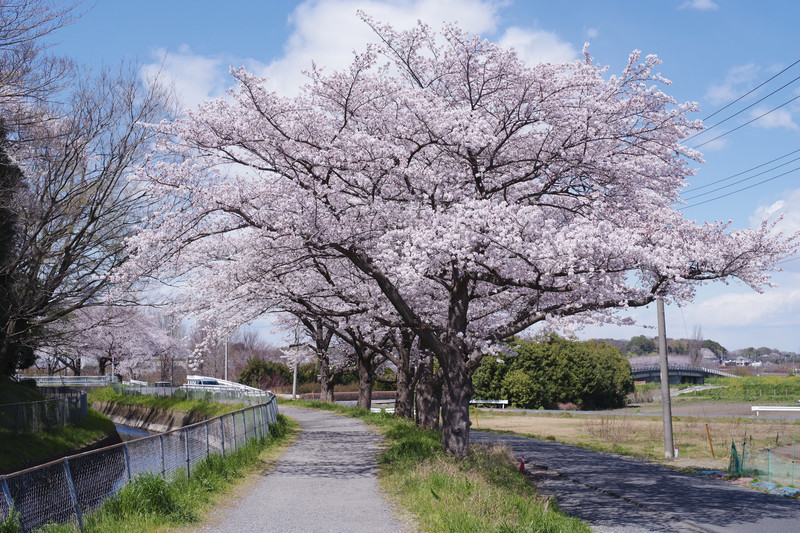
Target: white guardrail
x=783, y=408
x=70, y=381
x=501, y=403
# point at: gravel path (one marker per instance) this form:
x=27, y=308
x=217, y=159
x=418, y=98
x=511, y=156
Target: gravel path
x=617, y=494
x=325, y=482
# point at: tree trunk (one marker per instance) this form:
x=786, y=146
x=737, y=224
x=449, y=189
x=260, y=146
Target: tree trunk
x=428, y=395
x=404, y=402
x=325, y=381
x=455, y=410
x=366, y=375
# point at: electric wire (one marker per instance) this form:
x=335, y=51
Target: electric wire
x=748, y=122
x=709, y=184
x=740, y=190
x=712, y=191
x=741, y=110
x=751, y=91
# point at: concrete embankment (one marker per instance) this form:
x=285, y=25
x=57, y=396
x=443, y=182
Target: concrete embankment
x=147, y=418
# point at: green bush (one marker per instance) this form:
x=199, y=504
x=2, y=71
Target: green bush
x=522, y=391
x=556, y=371
x=265, y=375
x=10, y=523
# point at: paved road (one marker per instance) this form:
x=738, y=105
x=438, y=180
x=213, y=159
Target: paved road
x=623, y=495
x=325, y=482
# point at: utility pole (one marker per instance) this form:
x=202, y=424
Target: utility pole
x=226, y=359
x=666, y=406
x=294, y=382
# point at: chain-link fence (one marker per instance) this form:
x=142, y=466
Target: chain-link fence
x=62, y=491
x=189, y=392
x=63, y=406
x=765, y=464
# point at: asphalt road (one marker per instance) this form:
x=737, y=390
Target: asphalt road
x=325, y=482
x=622, y=495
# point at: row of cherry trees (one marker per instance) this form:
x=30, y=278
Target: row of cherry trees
x=434, y=199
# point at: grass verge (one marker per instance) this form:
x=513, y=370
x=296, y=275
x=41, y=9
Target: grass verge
x=13, y=392
x=483, y=492
x=22, y=449
x=155, y=504
x=205, y=409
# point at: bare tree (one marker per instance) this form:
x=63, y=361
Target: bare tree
x=28, y=74
x=695, y=346
x=75, y=206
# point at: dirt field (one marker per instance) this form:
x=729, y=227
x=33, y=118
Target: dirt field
x=639, y=430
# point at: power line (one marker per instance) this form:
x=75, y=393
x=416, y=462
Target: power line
x=751, y=91
x=748, y=122
x=744, y=171
x=693, y=196
x=743, y=109
x=742, y=189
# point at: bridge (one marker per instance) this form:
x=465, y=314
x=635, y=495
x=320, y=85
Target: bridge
x=678, y=374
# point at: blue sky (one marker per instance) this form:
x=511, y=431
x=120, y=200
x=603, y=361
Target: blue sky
x=714, y=51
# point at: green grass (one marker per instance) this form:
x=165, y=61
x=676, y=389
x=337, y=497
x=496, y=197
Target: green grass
x=25, y=449
x=754, y=389
x=484, y=492
x=13, y=392
x=151, y=503
x=199, y=407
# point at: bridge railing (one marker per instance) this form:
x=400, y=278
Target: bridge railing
x=70, y=381
x=63, y=491
x=655, y=368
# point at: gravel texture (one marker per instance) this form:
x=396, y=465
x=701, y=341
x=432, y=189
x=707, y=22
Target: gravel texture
x=616, y=494
x=325, y=482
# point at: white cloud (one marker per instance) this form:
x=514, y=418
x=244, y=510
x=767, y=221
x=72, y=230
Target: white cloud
x=787, y=207
x=737, y=81
x=537, y=46
x=780, y=118
x=701, y=5
x=328, y=31
x=592, y=33
x=776, y=307
x=715, y=146
x=194, y=77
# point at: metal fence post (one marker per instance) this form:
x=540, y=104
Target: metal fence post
x=163, y=465
x=233, y=419
x=73, y=493
x=127, y=460
x=7, y=494
x=244, y=425
x=222, y=433
x=208, y=448
x=186, y=443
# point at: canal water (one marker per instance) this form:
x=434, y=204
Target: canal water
x=128, y=433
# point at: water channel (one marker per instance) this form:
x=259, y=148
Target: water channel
x=127, y=433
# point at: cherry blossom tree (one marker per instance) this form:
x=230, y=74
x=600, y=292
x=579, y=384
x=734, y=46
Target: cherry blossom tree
x=465, y=193
x=128, y=339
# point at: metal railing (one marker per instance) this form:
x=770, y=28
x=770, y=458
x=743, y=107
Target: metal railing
x=70, y=381
x=63, y=406
x=64, y=490
x=197, y=392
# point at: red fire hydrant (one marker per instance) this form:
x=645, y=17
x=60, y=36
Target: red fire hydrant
x=522, y=464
